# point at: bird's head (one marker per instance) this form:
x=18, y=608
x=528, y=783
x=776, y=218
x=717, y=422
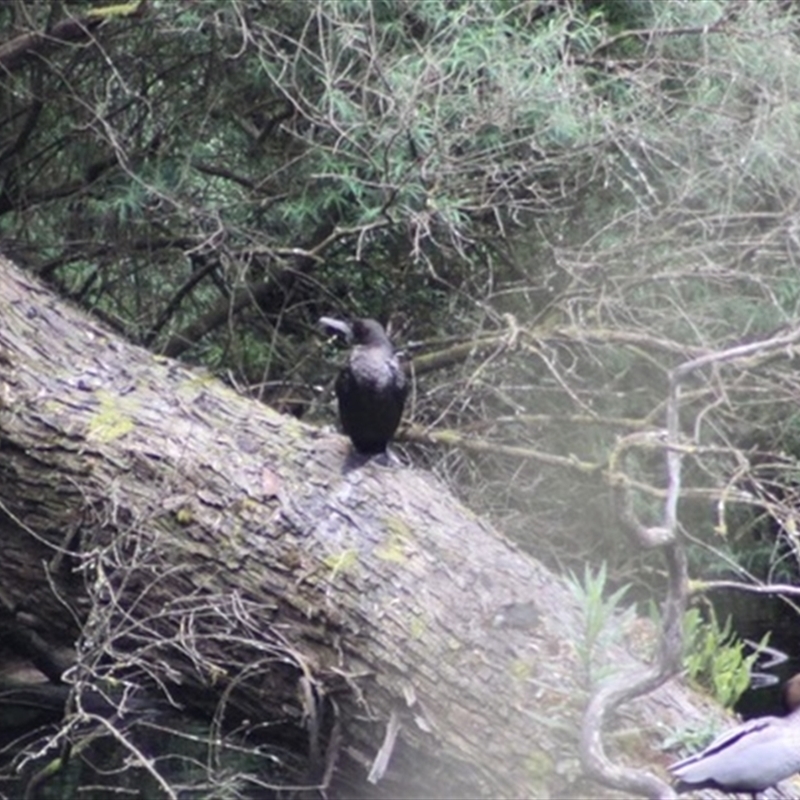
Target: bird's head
x=367, y=332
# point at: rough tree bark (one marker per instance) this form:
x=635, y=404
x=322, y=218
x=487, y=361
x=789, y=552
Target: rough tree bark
x=147, y=507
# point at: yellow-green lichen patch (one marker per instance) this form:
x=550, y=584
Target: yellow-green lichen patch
x=247, y=509
x=294, y=426
x=540, y=767
x=520, y=669
x=110, y=421
x=53, y=406
x=195, y=385
x=346, y=561
x=392, y=551
x=398, y=527
x=395, y=548
x=418, y=628
x=184, y=515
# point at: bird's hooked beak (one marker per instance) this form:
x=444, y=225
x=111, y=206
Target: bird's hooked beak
x=339, y=326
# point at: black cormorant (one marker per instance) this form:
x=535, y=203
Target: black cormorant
x=371, y=388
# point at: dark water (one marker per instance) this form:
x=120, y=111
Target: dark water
x=753, y=616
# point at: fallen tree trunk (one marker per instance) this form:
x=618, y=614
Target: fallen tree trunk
x=195, y=541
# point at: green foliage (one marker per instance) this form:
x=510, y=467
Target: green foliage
x=691, y=739
x=714, y=657
x=603, y=622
